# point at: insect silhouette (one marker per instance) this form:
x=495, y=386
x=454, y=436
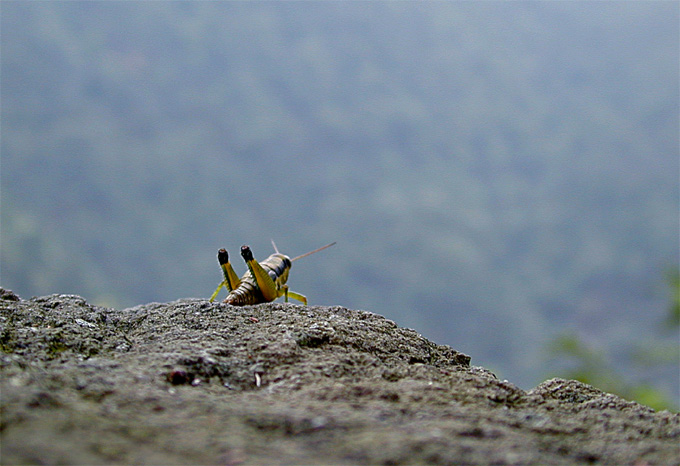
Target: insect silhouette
x=263, y=282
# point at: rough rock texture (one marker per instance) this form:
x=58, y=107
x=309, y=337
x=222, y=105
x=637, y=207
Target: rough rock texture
x=194, y=382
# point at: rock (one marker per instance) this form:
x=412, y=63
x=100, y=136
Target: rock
x=194, y=382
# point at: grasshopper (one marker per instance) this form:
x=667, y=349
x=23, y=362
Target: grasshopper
x=263, y=282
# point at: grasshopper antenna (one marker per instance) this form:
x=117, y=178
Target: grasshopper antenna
x=276, y=250
x=311, y=252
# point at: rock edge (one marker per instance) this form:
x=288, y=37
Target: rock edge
x=194, y=382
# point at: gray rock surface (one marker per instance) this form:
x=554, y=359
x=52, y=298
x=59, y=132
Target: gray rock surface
x=194, y=382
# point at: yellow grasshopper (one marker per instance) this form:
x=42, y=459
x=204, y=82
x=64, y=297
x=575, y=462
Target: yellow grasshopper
x=263, y=282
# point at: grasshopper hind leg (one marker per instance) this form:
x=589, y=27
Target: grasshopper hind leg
x=231, y=280
x=264, y=282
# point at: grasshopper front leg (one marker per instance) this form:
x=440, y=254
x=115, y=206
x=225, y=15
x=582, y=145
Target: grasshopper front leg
x=300, y=297
x=286, y=293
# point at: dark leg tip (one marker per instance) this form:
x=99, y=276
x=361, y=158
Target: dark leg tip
x=246, y=253
x=222, y=256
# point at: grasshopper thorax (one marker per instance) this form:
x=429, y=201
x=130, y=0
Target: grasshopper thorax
x=278, y=266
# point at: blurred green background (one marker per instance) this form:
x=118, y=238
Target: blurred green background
x=502, y=177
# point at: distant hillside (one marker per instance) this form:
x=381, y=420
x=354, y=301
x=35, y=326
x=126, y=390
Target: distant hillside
x=494, y=174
